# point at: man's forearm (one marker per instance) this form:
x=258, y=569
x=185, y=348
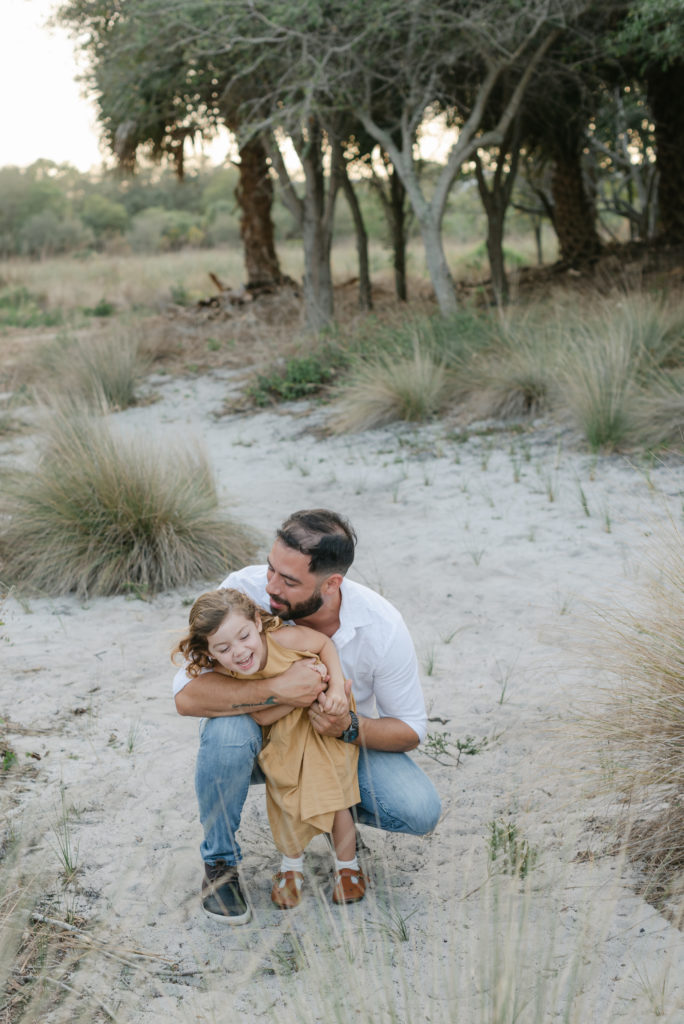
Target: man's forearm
x=212, y=695
x=374, y=733
x=386, y=734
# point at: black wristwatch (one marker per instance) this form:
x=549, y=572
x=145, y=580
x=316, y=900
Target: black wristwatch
x=352, y=733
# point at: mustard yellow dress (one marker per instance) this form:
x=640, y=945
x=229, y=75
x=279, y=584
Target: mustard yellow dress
x=308, y=777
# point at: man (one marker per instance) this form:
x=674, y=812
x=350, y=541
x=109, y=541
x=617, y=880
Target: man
x=305, y=582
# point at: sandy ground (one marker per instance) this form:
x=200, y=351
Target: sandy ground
x=485, y=546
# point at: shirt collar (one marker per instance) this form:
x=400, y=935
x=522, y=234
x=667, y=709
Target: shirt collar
x=353, y=614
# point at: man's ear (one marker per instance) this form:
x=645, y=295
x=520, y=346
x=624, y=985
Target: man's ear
x=332, y=584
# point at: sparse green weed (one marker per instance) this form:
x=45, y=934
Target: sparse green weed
x=508, y=850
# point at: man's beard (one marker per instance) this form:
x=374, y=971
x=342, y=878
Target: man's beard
x=302, y=610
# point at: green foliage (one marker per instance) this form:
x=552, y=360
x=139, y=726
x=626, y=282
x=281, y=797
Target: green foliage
x=21, y=308
x=438, y=745
x=102, y=512
x=651, y=32
x=8, y=758
x=451, y=340
x=102, y=308
x=299, y=377
x=47, y=234
x=180, y=294
x=159, y=230
x=509, y=849
x=104, y=215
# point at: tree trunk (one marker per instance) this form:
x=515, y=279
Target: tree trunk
x=365, y=292
x=495, y=199
x=393, y=200
x=317, y=227
x=495, y=232
x=574, y=216
x=398, y=229
x=254, y=194
x=664, y=88
x=438, y=268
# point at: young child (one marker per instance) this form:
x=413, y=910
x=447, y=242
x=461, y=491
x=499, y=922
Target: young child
x=311, y=780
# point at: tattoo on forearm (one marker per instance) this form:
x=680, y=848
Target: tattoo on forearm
x=269, y=702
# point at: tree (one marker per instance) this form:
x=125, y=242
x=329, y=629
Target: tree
x=154, y=95
x=650, y=42
x=405, y=55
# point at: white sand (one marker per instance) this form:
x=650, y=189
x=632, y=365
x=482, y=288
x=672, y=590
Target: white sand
x=491, y=576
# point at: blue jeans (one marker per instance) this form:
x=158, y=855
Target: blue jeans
x=395, y=794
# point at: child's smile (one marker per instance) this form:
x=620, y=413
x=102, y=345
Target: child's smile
x=238, y=644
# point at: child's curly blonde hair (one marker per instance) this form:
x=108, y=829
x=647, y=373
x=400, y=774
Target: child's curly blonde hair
x=206, y=615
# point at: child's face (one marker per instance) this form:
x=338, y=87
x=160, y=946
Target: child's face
x=238, y=644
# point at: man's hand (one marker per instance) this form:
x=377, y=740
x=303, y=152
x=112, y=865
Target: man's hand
x=327, y=723
x=300, y=684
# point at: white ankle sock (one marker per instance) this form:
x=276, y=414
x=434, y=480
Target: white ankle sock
x=292, y=864
x=353, y=865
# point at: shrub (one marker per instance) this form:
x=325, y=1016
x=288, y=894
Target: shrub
x=639, y=722
x=381, y=391
x=619, y=372
x=452, y=340
x=21, y=308
x=102, y=308
x=514, y=374
x=103, y=514
x=103, y=371
x=298, y=377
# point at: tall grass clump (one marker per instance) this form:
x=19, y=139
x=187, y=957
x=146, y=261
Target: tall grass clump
x=392, y=387
x=407, y=370
x=514, y=375
x=92, y=368
x=451, y=340
x=109, y=514
x=639, y=722
x=621, y=373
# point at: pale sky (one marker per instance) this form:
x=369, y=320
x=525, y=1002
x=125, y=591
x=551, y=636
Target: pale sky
x=42, y=110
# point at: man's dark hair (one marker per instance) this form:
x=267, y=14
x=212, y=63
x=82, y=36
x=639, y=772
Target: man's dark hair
x=326, y=537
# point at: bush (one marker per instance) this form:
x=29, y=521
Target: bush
x=639, y=722
x=619, y=372
x=47, y=234
x=389, y=388
x=21, y=308
x=102, y=371
x=103, y=514
x=452, y=340
x=299, y=377
x=514, y=375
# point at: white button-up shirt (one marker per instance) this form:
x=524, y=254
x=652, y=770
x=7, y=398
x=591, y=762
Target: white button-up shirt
x=374, y=645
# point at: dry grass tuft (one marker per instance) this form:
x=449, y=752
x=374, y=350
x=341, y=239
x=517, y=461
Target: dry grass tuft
x=95, y=368
x=619, y=371
x=514, y=376
x=103, y=514
x=639, y=723
x=392, y=387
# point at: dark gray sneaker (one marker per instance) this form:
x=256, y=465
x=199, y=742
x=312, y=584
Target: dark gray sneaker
x=222, y=897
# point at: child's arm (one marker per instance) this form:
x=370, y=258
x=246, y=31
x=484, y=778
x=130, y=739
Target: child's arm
x=300, y=638
x=270, y=715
